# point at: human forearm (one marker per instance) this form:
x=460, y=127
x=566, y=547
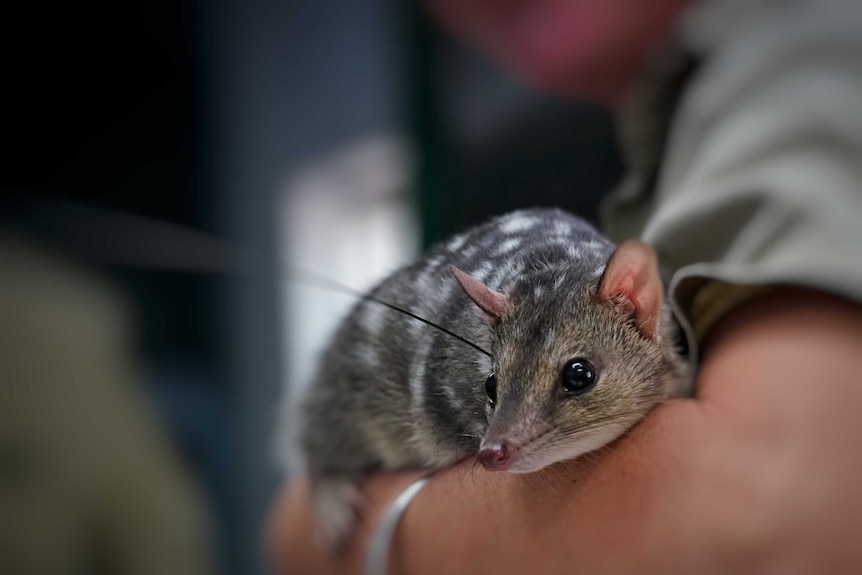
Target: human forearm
x=734, y=480
x=730, y=481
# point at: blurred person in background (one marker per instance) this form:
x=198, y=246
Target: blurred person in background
x=741, y=124
x=89, y=481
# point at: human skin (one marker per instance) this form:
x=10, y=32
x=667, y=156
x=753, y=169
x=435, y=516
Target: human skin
x=760, y=473
x=585, y=49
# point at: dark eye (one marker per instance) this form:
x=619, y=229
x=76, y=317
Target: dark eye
x=491, y=389
x=578, y=376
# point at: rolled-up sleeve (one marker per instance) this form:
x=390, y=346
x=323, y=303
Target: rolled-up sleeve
x=762, y=180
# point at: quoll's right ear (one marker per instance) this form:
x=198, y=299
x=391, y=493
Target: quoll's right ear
x=631, y=281
x=490, y=301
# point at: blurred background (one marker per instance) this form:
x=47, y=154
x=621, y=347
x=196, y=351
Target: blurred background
x=171, y=170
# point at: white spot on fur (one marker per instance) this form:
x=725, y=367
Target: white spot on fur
x=456, y=242
x=425, y=280
x=505, y=275
x=574, y=252
x=417, y=380
x=435, y=263
x=470, y=251
x=517, y=222
x=416, y=327
x=599, y=271
x=422, y=284
x=484, y=270
x=417, y=372
x=507, y=246
x=371, y=317
x=538, y=291
x=561, y=229
x=483, y=362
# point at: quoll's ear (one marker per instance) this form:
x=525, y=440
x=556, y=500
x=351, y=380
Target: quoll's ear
x=491, y=302
x=631, y=280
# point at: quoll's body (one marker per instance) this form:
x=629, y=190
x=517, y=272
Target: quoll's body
x=581, y=348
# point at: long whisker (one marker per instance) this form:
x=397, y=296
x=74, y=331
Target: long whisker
x=332, y=285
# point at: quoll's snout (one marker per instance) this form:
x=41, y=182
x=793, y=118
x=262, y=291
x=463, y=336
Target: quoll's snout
x=495, y=457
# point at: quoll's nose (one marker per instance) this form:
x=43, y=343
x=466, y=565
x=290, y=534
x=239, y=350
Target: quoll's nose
x=494, y=457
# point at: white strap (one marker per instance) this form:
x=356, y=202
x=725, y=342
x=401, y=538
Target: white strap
x=377, y=556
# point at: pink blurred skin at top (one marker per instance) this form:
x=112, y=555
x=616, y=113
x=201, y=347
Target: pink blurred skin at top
x=585, y=49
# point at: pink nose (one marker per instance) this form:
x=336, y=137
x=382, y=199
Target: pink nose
x=495, y=457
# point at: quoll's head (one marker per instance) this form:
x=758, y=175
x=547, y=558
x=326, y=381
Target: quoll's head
x=576, y=362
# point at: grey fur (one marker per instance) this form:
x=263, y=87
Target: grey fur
x=392, y=393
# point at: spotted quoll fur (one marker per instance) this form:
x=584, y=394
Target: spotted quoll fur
x=393, y=393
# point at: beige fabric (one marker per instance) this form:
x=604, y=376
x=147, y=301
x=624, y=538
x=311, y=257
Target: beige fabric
x=716, y=299
x=88, y=483
x=761, y=181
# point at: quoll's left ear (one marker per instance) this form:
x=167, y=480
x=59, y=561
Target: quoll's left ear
x=631, y=280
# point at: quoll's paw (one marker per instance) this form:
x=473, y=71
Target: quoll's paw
x=337, y=503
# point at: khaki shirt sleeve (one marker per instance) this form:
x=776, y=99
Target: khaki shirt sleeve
x=762, y=181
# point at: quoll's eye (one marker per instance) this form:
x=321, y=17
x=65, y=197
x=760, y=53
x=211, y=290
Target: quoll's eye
x=491, y=389
x=578, y=376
